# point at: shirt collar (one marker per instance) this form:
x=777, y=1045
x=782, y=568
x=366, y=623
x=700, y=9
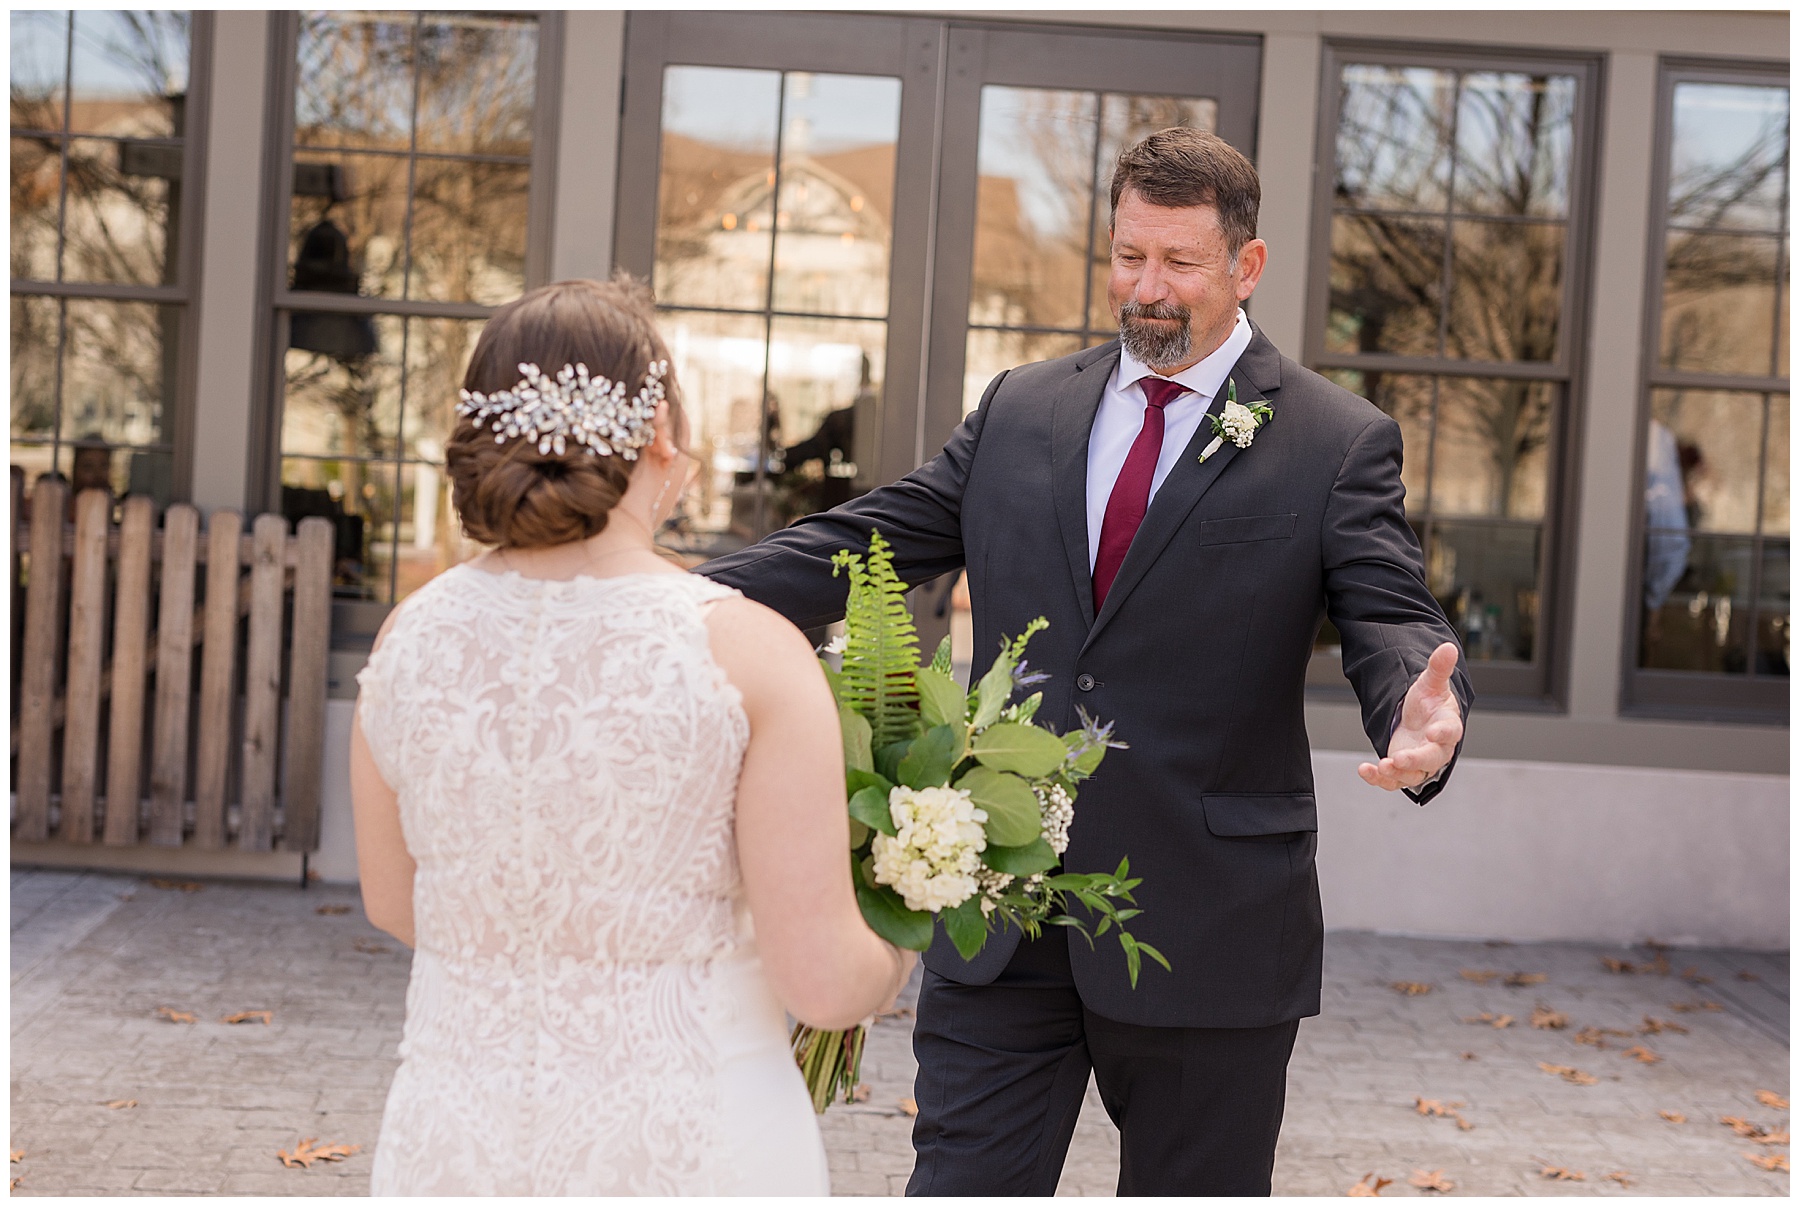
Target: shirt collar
x=1205, y=378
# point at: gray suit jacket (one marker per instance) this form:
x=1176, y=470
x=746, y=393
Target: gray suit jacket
x=1199, y=655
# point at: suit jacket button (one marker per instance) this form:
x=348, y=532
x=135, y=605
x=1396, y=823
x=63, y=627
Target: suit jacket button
x=1085, y=682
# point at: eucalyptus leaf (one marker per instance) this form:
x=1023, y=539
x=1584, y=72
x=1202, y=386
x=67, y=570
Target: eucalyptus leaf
x=1029, y=705
x=1035, y=856
x=966, y=927
x=1022, y=749
x=888, y=917
x=870, y=807
x=941, y=701
x=887, y=759
x=856, y=781
x=995, y=689
x=858, y=753
x=927, y=764
x=859, y=834
x=1014, y=818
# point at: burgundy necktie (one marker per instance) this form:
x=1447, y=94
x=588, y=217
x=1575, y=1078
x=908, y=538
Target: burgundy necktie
x=1130, y=496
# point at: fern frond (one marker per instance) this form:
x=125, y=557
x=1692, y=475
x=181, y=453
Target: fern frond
x=881, y=646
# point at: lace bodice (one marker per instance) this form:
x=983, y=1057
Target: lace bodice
x=566, y=757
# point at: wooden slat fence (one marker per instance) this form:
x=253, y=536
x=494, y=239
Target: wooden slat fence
x=122, y=734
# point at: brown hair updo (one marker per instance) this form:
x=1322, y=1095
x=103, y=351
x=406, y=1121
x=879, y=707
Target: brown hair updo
x=510, y=494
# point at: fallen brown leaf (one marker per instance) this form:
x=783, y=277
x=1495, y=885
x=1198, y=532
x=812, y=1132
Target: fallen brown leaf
x=1744, y=1127
x=1612, y=964
x=908, y=1107
x=1590, y=1035
x=18, y=1154
x=368, y=948
x=1659, y=966
x=1673, y=1116
x=1545, y=1019
x=1691, y=1007
x=1558, y=1173
x=1470, y=1056
x=120, y=1104
x=1619, y=1176
x=1369, y=1187
x=1773, y=1162
x=1569, y=1074
x=14, y=1184
x=1654, y=1026
x=1641, y=1054
x=1498, y=1021
x=1776, y=1136
x=1745, y=974
x=310, y=1150
x=265, y=1017
x=174, y=1015
x=1519, y=980
x=861, y=1092
x=1431, y=1106
x=1410, y=988
x=1692, y=976
x=1480, y=976
x=332, y=909
x=1431, y=1179
x=1771, y=1098
x=184, y=886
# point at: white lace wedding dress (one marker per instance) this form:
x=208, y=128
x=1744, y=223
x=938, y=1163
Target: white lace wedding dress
x=587, y=1013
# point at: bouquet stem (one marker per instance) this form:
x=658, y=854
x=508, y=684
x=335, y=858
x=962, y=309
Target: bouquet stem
x=830, y=1061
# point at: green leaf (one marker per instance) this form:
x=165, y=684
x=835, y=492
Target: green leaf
x=856, y=781
x=1153, y=954
x=887, y=759
x=832, y=679
x=881, y=644
x=940, y=700
x=857, y=747
x=1089, y=760
x=859, y=834
x=941, y=661
x=1035, y=856
x=1014, y=818
x=1028, y=707
x=1022, y=749
x=966, y=927
x=928, y=763
x=888, y=917
x=870, y=807
x=995, y=689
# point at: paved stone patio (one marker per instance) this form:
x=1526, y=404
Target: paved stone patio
x=94, y=958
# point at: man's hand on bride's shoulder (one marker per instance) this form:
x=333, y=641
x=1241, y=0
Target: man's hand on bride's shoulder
x=1431, y=725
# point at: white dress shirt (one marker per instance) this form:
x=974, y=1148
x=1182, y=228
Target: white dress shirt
x=1121, y=417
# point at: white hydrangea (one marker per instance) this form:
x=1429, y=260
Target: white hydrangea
x=934, y=856
x=1238, y=424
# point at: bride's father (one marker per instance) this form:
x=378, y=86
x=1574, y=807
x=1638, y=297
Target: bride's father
x=1184, y=588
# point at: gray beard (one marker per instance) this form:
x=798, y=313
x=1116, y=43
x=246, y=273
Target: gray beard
x=1156, y=345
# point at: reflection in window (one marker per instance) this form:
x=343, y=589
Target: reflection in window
x=1715, y=576
x=774, y=231
x=98, y=151
x=1451, y=198
x=1043, y=213
x=411, y=166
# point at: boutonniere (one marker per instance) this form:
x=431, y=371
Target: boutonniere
x=1237, y=422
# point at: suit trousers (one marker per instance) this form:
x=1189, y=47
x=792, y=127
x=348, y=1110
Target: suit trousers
x=1003, y=1069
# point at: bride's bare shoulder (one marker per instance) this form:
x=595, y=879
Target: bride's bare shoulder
x=757, y=647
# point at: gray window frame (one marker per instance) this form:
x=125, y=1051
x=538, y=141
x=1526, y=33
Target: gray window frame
x=178, y=410
x=1689, y=695
x=1541, y=685
x=354, y=622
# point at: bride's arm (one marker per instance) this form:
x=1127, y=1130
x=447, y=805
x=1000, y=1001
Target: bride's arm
x=383, y=863
x=826, y=965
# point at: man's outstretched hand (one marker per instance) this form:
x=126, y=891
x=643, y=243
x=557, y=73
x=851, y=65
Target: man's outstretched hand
x=1430, y=727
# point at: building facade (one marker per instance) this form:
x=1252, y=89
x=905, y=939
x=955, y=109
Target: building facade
x=252, y=252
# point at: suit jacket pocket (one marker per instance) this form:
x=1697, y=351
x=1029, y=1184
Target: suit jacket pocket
x=1269, y=816
x=1238, y=529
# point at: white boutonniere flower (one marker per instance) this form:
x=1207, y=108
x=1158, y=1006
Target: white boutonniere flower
x=1236, y=422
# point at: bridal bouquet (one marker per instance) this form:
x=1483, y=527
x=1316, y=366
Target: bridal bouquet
x=960, y=804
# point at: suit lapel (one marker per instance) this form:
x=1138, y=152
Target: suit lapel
x=1258, y=377
x=1071, y=421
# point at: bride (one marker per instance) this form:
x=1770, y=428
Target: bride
x=603, y=800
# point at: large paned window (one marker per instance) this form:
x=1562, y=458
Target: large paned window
x=774, y=237
x=103, y=189
x=1043, y=215
x=413, y=176
x=1451, y=222
x=1711, y=605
